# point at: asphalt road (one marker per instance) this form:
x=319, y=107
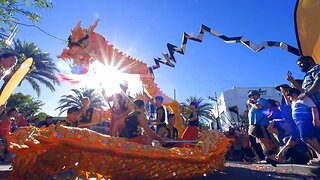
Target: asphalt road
x=240, y=170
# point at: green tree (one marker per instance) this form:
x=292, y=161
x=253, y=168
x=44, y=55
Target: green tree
x=203, y=110
x=67, y=101
x=41, y=116
x=42, y=71
x=14, y=12
x=24, y=102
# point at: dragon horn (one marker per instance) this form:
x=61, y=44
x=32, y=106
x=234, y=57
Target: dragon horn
x=93, y=26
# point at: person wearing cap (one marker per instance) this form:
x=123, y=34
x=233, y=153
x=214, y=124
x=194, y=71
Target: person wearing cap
x=283, y=89
x=305, y=115
x=285, y=107
x=258, y=119
x=122, y=105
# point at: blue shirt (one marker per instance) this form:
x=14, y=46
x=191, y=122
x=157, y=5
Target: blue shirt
x=259, y=116
x=275, y=113
x=301, y=110
x=286, y=112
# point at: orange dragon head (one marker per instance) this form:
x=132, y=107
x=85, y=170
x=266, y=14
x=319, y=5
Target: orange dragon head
x=84, y=46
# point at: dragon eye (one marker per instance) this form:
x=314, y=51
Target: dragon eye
x=84, y=43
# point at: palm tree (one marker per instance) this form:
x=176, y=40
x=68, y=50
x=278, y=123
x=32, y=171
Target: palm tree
x=203, y=109
x=42, y=71
x=67, y=101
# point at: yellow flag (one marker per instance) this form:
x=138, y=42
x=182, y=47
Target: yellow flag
x=307, y=21
x=15, y=80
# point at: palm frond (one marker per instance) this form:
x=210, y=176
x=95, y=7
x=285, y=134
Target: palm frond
x=203, y=109
x=34, y=85
x=42, y=71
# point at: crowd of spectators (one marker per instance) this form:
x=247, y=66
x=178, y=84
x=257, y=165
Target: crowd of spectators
x=286, y=131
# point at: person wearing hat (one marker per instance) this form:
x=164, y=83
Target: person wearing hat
x=258, y=119
x=122, y=106
x=285, y=106
x=305, y=116
x=283, y=89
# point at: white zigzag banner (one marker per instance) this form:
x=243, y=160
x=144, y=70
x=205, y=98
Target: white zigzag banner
x=170, y=59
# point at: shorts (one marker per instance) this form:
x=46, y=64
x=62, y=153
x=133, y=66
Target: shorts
x=306, y=129
x=258, y=131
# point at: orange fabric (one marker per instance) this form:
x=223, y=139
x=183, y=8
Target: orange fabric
x=146, y=140
x=59, y=148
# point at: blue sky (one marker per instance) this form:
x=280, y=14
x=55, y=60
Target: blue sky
x=142, y=28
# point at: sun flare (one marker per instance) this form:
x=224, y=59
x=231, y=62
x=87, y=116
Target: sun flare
x=109, y=77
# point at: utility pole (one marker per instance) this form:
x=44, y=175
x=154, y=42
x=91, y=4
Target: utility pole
x=174, y=94
x=218, y=117
x=215, y=99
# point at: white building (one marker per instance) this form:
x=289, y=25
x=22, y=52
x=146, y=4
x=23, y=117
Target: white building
x=232, y=103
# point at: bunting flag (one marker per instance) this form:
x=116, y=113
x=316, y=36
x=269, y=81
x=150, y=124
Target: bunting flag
x=170, y=59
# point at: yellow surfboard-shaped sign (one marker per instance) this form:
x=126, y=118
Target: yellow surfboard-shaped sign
x=15, y=80
x=307, y=21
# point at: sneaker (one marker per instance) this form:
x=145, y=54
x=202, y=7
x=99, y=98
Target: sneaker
x=256, y=159
x=261, y=162
x=314, y=162
x=272, y=162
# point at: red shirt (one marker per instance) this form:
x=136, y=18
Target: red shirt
x=22, y=122
x=5, y=127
